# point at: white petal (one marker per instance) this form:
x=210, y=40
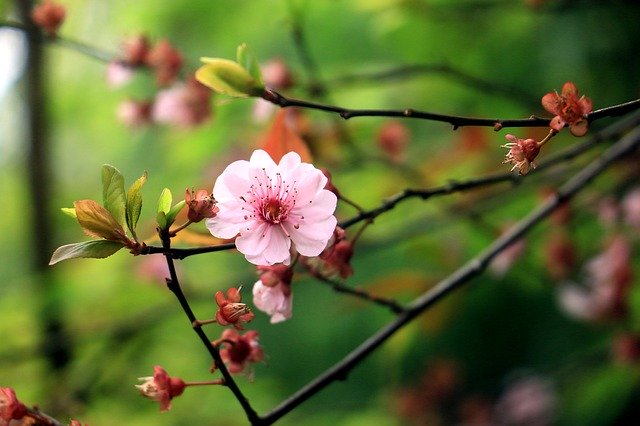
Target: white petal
x=261, y=159
x=289, y=161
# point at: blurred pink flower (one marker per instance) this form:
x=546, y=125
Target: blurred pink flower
x=183, y=104
x=161, y=388
x=166, y=61
x=134, y=113
x=118, y=73
x=529, y=401
x=272, y=207
x=276, y=301
x=631, y=207
x=604, y=292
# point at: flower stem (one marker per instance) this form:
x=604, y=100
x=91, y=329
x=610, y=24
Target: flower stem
x=546, y=139
x=174, y=231
x=199, y=323
x=208, y=383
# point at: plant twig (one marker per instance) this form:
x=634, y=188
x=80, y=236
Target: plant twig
x=174, y=285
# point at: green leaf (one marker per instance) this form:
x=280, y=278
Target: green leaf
x=113, y=195
x=134, y=203
x=96, y=221
x=228, y=77
x=164, y=205
x=70, y=211
x=164, y=202
x=248, y=61
x=97, y=249
x=171, y=215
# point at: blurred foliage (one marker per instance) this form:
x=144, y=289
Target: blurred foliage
x=122, y=320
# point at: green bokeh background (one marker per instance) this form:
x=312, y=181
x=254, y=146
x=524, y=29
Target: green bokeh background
x=122, y=324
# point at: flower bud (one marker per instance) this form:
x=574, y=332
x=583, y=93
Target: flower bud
x=201, y=205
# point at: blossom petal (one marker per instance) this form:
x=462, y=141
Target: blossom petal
x=272, y=301
x=557, y=123
x=569, y=89
x=579, y=128
x=260, y=158
x=310, y=239
x=551, y=102
x=221, y=189
x=223, y=225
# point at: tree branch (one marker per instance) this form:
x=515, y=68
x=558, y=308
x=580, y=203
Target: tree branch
x=276, y=98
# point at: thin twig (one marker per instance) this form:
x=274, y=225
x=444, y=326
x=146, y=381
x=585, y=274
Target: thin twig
x=456, y=121
x=458, y=278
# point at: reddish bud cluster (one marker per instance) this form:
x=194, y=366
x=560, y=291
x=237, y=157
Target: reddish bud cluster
x=48, y=16
x=180, y=103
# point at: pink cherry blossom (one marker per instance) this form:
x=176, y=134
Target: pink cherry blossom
x=276, y=301
x=271, y=207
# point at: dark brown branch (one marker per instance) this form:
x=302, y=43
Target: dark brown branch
x=174, y=285
x=459, y=277
x=456, y=121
